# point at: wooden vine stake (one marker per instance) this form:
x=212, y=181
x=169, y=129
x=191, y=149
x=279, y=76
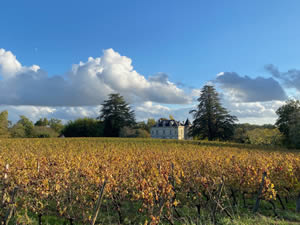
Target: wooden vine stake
x=98, y=204
x=5, y=178
x=256, y=206
x=6, y=170
x=38, y=171
x=298, y=204
x=38, y=166
x=11, y=209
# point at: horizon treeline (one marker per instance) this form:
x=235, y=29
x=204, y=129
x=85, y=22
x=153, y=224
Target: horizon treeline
x=211, y=122
x=51, y=128
x=91, y=127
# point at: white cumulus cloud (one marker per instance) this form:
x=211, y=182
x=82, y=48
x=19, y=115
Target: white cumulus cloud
x=86, y=84
x=30, y=91
x=9, y=65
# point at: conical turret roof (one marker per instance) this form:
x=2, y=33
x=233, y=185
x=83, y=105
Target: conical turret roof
x=187, y=122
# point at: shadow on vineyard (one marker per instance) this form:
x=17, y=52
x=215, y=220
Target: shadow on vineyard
x=181, y=215
x=139, y=181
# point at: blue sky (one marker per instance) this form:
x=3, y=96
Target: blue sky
x=190, y=41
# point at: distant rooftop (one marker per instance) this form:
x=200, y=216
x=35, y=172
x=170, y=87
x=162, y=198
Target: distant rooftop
x=171, y=123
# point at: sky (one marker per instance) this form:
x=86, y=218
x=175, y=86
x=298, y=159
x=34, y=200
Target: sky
x=62, y=59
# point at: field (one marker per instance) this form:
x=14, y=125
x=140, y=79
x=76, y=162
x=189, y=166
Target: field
x=139, y=181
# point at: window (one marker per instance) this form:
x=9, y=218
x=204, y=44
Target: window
x=157, y=132
x=170, y=132
x=163, y=131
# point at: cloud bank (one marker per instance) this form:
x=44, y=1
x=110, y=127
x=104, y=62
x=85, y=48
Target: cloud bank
x=30, y=91
x=253, y=100
x=86, y=84
x=63, y=113
x=291, y=78
x=246, y=89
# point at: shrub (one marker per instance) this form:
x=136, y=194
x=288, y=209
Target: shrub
x=264, y=136
x=86, y=127
x=44, y=132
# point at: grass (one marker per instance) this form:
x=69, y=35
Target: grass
x=189, y=216
x=257, y=220
x=243, y=219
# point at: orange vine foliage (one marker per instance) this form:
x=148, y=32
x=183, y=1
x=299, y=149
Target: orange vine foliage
x=63, y=177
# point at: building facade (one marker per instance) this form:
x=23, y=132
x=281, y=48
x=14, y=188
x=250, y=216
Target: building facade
x=170, y=129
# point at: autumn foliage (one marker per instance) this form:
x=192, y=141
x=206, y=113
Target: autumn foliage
x=63, y=177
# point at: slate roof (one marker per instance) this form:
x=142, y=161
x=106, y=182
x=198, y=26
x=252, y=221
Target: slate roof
x=170, y=123
x=187, y=122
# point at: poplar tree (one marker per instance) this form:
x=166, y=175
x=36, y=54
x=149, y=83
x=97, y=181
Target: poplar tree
x=4, y=124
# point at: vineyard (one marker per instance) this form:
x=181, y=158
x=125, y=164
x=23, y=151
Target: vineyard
x=136, y=181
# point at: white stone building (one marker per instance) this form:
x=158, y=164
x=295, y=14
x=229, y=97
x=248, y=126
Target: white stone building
x=170, y=129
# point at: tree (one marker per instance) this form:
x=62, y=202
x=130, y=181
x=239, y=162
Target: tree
x=28, y=126
x=136, y=132
x=264, y=136
x=56, y=125
x=294, y=134
x=4, y=124
x=84, y=127
x=171, y=117
x=240, y=135
x=18, y=131
x=116, y=114
x=241, y=131
x=141, y=125
x=150, y=123
x=42, y=122
x=44, y=132
x=163, y=118
x=211, y=120
x=288, y=122
x=287, y=116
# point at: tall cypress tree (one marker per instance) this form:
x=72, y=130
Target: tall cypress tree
x=116, y=114
x=4, y=123
x=211, y=120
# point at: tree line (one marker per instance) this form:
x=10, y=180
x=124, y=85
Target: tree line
x=25, y=128
x=116, y=119
x=211, y=121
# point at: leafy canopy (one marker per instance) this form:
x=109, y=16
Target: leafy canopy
x=27, y=125
x=56, y=125
x=42, y=122
x=288, y=122
x=83, y=127
x=286, y=116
